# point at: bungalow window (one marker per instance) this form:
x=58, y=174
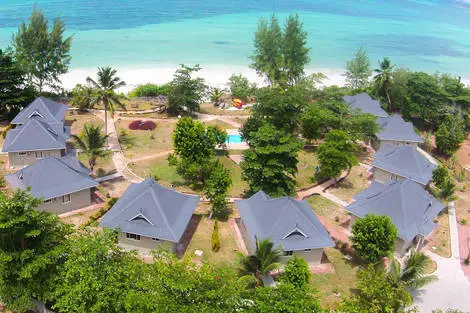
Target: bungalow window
x=22, y=153
x=48, y=201
x=132, y=236
x=66, y=198
x=39, y=155
x=308, y=250
x=288, y=253
x=155, y=239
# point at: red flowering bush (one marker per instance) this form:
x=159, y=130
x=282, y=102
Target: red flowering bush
x=139, y=124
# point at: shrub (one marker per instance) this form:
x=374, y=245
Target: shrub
x=215, y=239
x=296, y=272
x=102, y=211
x=463, y=221
x=4, y=132
x=149, y=90
x=141, y=125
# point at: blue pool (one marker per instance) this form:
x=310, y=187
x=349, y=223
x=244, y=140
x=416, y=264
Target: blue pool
x=234, y=138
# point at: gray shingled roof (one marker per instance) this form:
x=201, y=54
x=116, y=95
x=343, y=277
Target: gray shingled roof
x=410, y=207
x=33, y=135
x=287, y=222
x=151, y=210
x=49, y=178
x=46, y=110
x=71, y=160
x=395, y=128
x=366, y=104
x=404, y=161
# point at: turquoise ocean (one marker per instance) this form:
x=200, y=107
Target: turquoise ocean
x=421, y=35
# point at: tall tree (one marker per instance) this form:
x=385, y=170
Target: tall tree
x=31, y=246
x=216, y=188
x=384, y=79
x=14, y=91
x=265, y=260
x=294, y=50
x=267, y=59
x=374, y=236
x=240, y=87
x=358, y=70
x=91, y=142
x=42, y=54
x=411, y=275
x=271, y=162
x=185, y=92
x=336, y=154
x=450, y=135
x=105, y=91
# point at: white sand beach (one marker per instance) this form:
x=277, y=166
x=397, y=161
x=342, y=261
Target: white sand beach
x=215, y=75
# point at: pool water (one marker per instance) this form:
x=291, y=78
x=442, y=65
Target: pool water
x=234, y=138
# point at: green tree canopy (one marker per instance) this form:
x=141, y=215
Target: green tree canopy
x=31, y=247
x=412, y=274
x=440, y=175
x=316, y=120
x=216, y=188
x=296, y=272
x=14, y=91
x=82, y=97
x=358, y=70
x=336, y=154
x=42, y=54
x=384, y=80
x=280, y=54
x=240, y=87
x=185, y=92
x=91, y=141
x=271, y=162
x=374, y=236
x=450, y=135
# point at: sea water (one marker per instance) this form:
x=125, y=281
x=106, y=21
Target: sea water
x=421, y=35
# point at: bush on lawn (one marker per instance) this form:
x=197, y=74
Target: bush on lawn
x=215, y=239
x=99, y=213
x=142, y=125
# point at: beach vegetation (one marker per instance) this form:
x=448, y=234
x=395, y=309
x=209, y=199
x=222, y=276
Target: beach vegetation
x=271, y=162
x=336, y=154
x=358, y=70
x=216, y=96
x=91, y=142
x=450, y=135
x=384, y=79
x=240, y=87
x=149, y=90
x=374, y=237
x=42, y=55
x=14, y=90
x=31, y=248
x=104, y=91
x=185, y=92
x=280, y=54
x=82, y=97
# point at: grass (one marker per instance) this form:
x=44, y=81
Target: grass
x=130, y=105
x=208, y=108
x=238, y=185
x=333, y=287
x=113, y=188
x=441, y=238
x=148, y=142
x=353, y=184
x=78, y=119
x=103, y=166
x=306, y=168
x=219, y=123
x=327, y=209
x=202, y=241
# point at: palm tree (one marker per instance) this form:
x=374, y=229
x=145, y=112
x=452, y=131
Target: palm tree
x=104, y=91
x=265, y=260
x=216, y=96
x=91, y=141
x=383, y=79
x=412, y=274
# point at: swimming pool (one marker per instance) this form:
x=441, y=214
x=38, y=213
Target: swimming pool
x=234, y=138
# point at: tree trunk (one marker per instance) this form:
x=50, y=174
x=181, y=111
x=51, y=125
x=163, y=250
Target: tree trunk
x=389, y=102
x=105, y=120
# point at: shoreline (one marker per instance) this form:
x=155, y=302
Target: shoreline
x=214, y=75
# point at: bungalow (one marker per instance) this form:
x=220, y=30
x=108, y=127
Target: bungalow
x=392, y=163
x=410, y=207
x=366, y=104
x=394, y=130
x=151, y=216
x=39, y=133
x=288, y=223
x=63, y=183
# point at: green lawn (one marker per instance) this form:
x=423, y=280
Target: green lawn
x=208, y=108
x=333, y=287
x=306, y=168
x=77, y=120
x=239, y=186
x=328, y=209
x=148, y=142
x=202, y=241
x=103, y=166
x=219, y=123
x=353, y=184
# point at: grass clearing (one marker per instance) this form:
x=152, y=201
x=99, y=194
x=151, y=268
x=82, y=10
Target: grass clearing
x=306, y=168
x=333, y=287
x=148, y=142
x=219, y=123
x=113, y=188
x=441, y=238
x=328, y=209
x=208, y=108
x=239, y=186
x=228, y=253
x=353, y=184
x=103, y=166
x=77, y=120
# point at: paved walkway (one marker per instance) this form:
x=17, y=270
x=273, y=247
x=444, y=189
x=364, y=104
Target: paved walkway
x=452, y=289
x=319, y=190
